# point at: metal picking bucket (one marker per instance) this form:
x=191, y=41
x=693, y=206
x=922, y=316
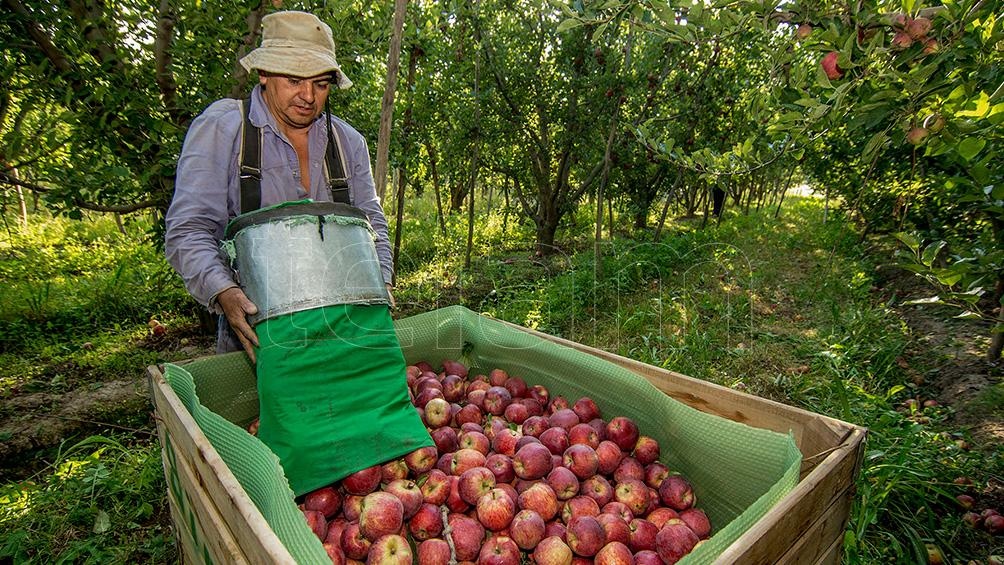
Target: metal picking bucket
x=304, y=255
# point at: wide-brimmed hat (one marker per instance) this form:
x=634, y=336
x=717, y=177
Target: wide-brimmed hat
x=296, y=44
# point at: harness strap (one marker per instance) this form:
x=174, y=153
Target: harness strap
x=250, y=164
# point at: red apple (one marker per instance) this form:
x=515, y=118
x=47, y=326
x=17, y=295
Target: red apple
x=674, y=540
x=496, y=510
x=318, y=524
x=501, y=467
x=517, y=387
x=831, y=68
x=351, y=507
x=496, y=400
x=497, y=377
x=646, y=450
x=364, y=481
x=354, y=543
x=433, y=551
x=676, y=493
x=438, y=413
x=558, y=403
x=509, y=490
x=464, y=459
x=523, y=440
x=661, y=515
x=534, y=426
x=453, y=500
x=804, y=31
x=540, y=498
x=917, y=28
x=454, y=388
x=468, y=413
x=407, y=491
x=615, y=528
x=581, y=460
x=916, y=135
x=325, y=500
x=445, y=439
x=427, y=522
x=618, y=509
x=585, y=535
x=395, y=469
x=499, y=550
x=532, y=461
x=555, y=528
x=586, y=409
x=614, y=553
x=583, y=433
x=698, y=521
x=563, y=418
x=647, y=557
x=527, y=529
x=643, y=535
x=622, y=431
x=900, y=40
x=474, y=440
x=579, y=506
x=655, y=473
x=382, y=513
x=335, y=529
x=552, y=551
x=555, y=439
x=516, y=412
x=994, y=524
x=629, y=468
x=421, y=459
x=634, y=494
x=599, y=489
x=564, y=482
x=505, y=441
x=451, y=367
x=600, y=425
x=435, y=486
x=423, y=398
x=390, y=549
x=609, y=457
x=335, y=553
x=467, y=534
x=475, y=482
x=540, y=394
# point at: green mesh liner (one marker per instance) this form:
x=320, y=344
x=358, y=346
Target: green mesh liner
x=738, y=472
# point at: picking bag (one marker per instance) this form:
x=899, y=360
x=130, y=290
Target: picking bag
x=331, y=376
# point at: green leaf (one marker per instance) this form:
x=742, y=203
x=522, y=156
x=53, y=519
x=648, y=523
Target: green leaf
x=102, y=522
x=928, y=300
x=970, y=147
x=948, y=277
x=908, y=6
x=568, y=24
x=982, y=107
x=969, y=315
x=873, y=145
x=931, y=252
x=909, y=240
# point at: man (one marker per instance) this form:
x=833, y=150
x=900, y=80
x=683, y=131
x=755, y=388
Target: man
x=296, y=67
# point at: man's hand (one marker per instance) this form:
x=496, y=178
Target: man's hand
x=390, y=295
x=237, y=307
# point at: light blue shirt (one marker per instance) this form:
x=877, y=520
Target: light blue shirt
x=207, y=188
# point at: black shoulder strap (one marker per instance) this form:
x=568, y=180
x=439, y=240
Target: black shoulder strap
x=250, y=159
x=250, y=163
x=338, y=185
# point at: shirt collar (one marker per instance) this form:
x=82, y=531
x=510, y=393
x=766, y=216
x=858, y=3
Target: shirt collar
x=261, y=116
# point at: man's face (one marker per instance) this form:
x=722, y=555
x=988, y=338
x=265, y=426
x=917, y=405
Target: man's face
x=295, y=102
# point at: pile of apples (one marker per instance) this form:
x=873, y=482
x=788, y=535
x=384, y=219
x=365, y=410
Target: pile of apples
x=515, y=476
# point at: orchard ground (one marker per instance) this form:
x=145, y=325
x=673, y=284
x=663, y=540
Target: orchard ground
x=81, y=402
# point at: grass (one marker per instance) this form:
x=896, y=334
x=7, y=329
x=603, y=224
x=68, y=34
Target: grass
x=783, y=308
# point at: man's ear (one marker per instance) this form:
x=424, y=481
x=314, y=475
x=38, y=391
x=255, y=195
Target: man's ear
x=262, y=76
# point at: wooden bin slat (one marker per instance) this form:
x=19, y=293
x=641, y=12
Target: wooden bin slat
x=811, y=544
x=207, y=526
x=254, y=536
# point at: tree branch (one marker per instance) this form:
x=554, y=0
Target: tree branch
x=166, y=19
x=250, y=40
x=39, y=189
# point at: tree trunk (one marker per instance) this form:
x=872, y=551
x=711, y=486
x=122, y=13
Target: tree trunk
x=399, y=225
x=435, y=186
x=22, y=202
x=387, y=104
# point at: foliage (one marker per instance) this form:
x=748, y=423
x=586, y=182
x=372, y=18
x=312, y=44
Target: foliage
x=97, y=502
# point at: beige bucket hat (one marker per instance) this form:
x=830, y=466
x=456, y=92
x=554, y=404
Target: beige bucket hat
x=296, y=44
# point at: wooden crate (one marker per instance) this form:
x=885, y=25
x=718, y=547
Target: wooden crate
x=217, y=522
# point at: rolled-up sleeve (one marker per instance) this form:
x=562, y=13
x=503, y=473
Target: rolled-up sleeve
x=201, y=205
x=365, y=198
